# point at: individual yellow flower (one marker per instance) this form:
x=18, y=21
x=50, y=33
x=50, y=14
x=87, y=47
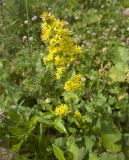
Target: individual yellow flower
x=62, y=110
x=53, y=50
x=72, y=59
x=74, y=83
x=59, y=72
x=77, y=49
x=77, y=114
x=46, y=34
x=48, y=58
x=51, y=17
x=58, y=23
x=60, y=61
x=44, y=15
x=62, y=31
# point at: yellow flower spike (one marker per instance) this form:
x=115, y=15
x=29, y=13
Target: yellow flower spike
x=58, y=23
x=77, y=114
x=61, y=69
x=75, y=83
x=62, y=110
x=62, y=49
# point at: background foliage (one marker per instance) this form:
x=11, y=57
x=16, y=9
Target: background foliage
x=29, y=92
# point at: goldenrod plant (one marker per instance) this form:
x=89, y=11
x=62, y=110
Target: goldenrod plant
x=64, y=79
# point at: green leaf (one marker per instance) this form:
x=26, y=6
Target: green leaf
x=93, y=156
x=60, y=141
x=126, y=136
x=58, y=152
x=89, y=143
x=110, y=137
x=110, y=156
x=117, y=72
x=69, y=95
x=120, y=58
x=14, y=115
x=60, y=126
x=73, y=147
x=120, y=55
x=91, y=16
x=82, y=153
x=22, y=157
x=16, y=147
x=111, y=100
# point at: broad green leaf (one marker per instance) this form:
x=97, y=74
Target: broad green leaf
x=110, y=137
x=82, y=153
x=58, y=152
x=60, y=141
x=126, y=136
x=124, y=54
x=69, y=95
x=87, y=118
x=93, y=156
x=110, y=156
x=14, y=115
x=91, y=16
x=118, y=72
x=89, y=143
x=60, y=126
x=111, y=100
x=120, y=55
x=45, y=121
x=73, y=147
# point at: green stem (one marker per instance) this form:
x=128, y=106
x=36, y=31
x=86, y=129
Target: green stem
x=28, y=33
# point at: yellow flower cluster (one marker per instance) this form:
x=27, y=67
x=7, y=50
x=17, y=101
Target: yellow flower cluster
x=77, y=114
x=62, y=110
x=61, y=47
x=74, y=83
x=59, y=72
